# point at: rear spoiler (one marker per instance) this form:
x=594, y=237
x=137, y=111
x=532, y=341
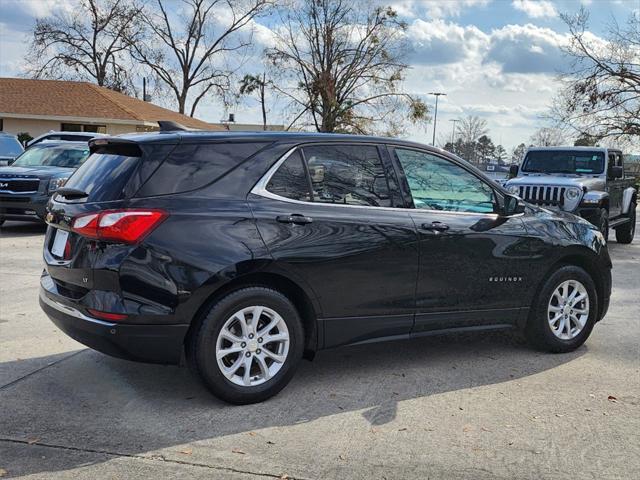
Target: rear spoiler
x=115, y=145
x=169, y=126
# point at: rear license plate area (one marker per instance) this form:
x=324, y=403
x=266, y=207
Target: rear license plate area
x=60, y=240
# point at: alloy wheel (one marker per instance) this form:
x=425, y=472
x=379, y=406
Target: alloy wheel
x=568, y=309
x=252, y=346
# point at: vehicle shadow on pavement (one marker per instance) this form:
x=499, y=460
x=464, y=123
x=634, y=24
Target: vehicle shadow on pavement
x=22, y=229
x=94, y=402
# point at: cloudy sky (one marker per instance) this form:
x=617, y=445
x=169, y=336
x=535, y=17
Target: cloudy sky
x=494, y=58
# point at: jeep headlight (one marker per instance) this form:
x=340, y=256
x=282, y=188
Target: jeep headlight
x=513, y=189
x=572, y=194
x=56, y=183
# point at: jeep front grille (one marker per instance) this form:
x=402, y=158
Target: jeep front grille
x=543, y=195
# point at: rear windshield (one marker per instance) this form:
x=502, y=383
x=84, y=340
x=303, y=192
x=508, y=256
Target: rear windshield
x=9, y=147
x=563, y=161
x=103, y=176
x=42, y=155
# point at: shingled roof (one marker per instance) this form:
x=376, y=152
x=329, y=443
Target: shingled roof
x=57, y=98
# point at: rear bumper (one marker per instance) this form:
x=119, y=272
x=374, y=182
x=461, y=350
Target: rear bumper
x=142, y=343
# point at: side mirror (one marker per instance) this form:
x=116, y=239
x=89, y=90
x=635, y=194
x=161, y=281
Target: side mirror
x=513, y=170
x=616, y=172
x=512, y=205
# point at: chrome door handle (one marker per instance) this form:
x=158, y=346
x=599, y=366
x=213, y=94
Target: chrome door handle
x=294, y=218
x=435, y=226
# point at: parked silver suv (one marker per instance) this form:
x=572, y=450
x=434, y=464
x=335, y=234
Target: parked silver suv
x=587, y=181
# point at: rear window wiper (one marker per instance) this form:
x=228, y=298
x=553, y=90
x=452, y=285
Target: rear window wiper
x=71, y=193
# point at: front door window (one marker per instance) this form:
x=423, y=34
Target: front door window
x=439, y=184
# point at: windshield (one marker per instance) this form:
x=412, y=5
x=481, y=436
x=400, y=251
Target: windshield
x=559, y=161
x=69, y=156
x=9, y=147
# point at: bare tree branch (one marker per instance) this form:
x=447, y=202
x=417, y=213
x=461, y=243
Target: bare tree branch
x=187, y=53
x=342, y=66
x=601, y=93
x=86, y=44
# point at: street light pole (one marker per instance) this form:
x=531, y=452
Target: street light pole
x=453, y=131
x=435, y=115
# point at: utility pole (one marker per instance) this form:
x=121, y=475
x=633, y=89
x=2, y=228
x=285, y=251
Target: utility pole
x=435, y=115
x=453, y=131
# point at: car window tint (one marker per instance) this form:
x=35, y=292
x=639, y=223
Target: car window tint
x=9, y=146
x=349, y=174
x=290, y=180
x=103, y=176
x=190, y=167
x=439, y=184
x=69, y=156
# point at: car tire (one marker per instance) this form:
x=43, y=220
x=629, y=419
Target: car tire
x=602, y=223
x=250, y=345
x=626, y=232
x=542, y=331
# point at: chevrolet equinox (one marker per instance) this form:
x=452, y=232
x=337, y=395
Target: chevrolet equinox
x=243, y=252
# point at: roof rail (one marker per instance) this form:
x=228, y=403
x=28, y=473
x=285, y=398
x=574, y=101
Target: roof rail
x=169, y=126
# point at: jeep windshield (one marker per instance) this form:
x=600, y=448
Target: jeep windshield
x=563, y=161
x=66, y=155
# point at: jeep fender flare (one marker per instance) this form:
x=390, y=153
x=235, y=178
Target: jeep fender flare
x=628, y=196
x=596, y=198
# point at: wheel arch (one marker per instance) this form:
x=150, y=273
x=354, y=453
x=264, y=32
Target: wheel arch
x=586, y=260
x=276, y=281
x=597, y=198
x=629, y=196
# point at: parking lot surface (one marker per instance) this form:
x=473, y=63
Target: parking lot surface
x=465, y=406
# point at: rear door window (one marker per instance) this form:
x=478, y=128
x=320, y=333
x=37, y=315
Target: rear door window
x=290, y=180
x=190, y=167
x=348, y=175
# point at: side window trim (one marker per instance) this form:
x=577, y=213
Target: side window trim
x=398, y=199
x=405, y=183
x=305, y=166
x=260, y=188
x=402, y=178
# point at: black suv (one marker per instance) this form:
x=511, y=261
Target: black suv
x=245, y=252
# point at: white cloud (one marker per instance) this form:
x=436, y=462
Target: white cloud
x=436, y=8
x=536, y=8
x=440, y=42
x=507, y=75
x=526, y=49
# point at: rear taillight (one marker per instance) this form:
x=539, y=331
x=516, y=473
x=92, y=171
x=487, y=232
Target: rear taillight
x=123, y=226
